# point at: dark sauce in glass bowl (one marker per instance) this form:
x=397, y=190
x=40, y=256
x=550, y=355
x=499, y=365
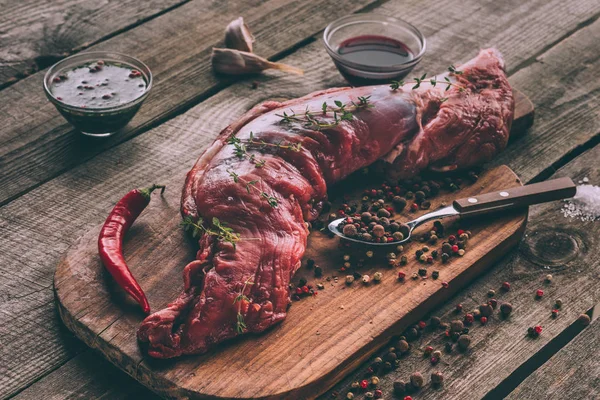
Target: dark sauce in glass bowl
x=98, y=95
x=375, y=50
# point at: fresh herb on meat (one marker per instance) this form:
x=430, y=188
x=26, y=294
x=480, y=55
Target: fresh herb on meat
x=219, y=230
x=251, y=185
x=341, y=112
x=395, y=85
x=240, y=298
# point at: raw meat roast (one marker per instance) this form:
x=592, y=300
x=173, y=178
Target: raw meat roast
x=411, y=129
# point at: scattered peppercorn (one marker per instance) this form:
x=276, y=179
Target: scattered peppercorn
x=448, y=347
x=402, y=346
x=558, y=303
x=483, y=320
x=554, y=313
x=415, y=276
x=539, y=293
x=491, y=293
x=375, y=380
x=584, y=319
x=399, y=387
x=506, y=309
x=464, y=341
x=318, y=272
x=493, y=303
x=435, y=274
x=435, y=322
x=459, y=307
x=403, y=260
x=423, y=271
x=456, y=326
x=445, y=257
x=350, y=395
x=416, y=380
x=445, y=284
x=506, y=286
x=549, y=278
x=486, y=310
x=469, y=318
x=369, y=395
x=437, y=378
x=401, y=275
x=408, y=398
x=364, y=384
x=378, y=393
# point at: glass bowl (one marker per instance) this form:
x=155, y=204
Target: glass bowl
x=372, y=25
x=98, y=121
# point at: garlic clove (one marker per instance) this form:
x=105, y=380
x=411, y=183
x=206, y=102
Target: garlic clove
x=238, y=36
x=236, y=62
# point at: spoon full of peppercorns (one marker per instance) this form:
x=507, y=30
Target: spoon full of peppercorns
x=522, y=196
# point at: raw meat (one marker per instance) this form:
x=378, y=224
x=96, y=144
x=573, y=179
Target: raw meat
x=411, y=129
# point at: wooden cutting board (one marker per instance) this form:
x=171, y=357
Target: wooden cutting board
x=323, y=338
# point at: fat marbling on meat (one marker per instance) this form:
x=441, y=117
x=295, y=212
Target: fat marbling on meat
x=412, y=130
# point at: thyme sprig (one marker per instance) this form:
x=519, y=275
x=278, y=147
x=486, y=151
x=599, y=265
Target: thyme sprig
x=395, y=85
x=340, y=111
x=241, y=150
x=240, y=324
x=219, y=229
x=251, y=186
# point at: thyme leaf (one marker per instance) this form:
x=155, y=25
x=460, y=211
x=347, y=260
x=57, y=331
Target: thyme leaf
x=395, y=85
x=251, y=186
x=219, y=229
x=241, y=297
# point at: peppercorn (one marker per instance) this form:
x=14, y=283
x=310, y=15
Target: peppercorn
x=458, y=308
x=364, y=384
x=461, y=252
x=476, y=313
x=445, y=284
x=437, y=354
x=355, y=385
x=423, y=271
x=347, y=265
x=405, y=229
x=377, y=276
x=387, y=366
x=369, y=395
x=463, y=342
x=558, y=303
x=418, y=253
x=437, y=378
x=416, y=380
x=428, y=350
x=539, y=293
x=401, y=275
x=375, y=380
x=446, y=247
x=399, y=387
x=398, y=236
x=419, y=195
x=421, y=324
x=549, y=278
x=451, y=239
x=493, y=303
x=435, y=274
x=408, y=398
x=469, y=318
x=412, y=333
x=390, y=357
x=486, y=310
x=415, y=276
x=349, y=279
x=378, y=394
x=491, y=293
x=584, y=319
x=456, y=326
x=366, y=279
x=302, y=282
x=483, y=320
x=445, y=257
x=350, y=395
x=310, y=263
x=350, y=230
x=369, y=254
x=433, y=239
x=435, y=322
x=402, y=346
x=423, y=258
x=506, y=286
x=554, y=313
x=403, y=260
x=464, y=237
x=425, y=249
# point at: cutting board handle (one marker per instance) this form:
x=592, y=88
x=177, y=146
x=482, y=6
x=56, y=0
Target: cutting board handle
x=555, y=189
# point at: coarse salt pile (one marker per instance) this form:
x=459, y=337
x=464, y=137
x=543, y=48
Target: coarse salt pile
x=585, y=205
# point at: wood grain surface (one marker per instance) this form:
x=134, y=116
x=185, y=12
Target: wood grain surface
x=177, y=47
x=572, y=373
x=559, y=72
x=501, y=355
x=36, y=34
x=322, y=338
x=37, y=148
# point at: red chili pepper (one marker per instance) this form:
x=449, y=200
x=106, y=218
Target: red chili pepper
x=110, y=241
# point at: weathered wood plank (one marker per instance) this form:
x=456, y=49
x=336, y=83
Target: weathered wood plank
x=86, y=376
x=35, y=34
x=572, y=373
x=566, y=248
x=176, y=46
x=37, y=228
x=38, y=144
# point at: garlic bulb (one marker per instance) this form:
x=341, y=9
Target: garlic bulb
x=238, y=36
x=236, y=62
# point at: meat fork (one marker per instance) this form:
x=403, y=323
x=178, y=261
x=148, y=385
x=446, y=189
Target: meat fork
x=522, y=196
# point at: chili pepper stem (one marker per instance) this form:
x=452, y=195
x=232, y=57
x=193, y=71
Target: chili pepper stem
x=148, y=191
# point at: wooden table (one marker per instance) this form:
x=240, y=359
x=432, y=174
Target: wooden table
x=55, y=184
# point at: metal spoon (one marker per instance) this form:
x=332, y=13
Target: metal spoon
x=522, y=196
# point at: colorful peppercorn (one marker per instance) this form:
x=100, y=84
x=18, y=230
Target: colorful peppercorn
x=493, y=303
x=469, y=318
x=378, y=394
x=416, y=380
x=539, y=293
x=458, y=308
x=366, y=279
x=463, y=342
x=554, y=313
x=456, y=326
x=506, y=286
x=445, y=257
x=491, y=293
x=483, y=320
x=375, y=380
x=445, y=285
x=486, y=310
x=548, y=278
x=506, y=309
x=437, y=378
x=402, y=346
x=369, y=395
x=584, y=319
x=435, y=322
x=364, y=384
x=350, y=395
x=399, y=388
x=435, y=274
x=401, y=275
